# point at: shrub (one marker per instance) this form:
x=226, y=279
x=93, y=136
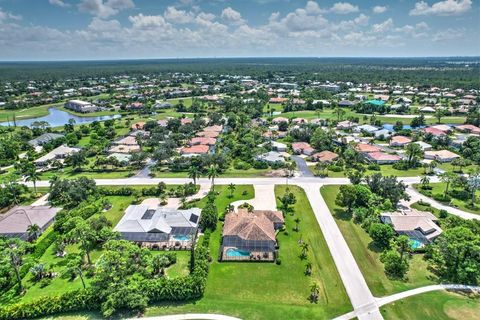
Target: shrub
x=463, y=195
x=241, y=165
x=334, y=168
x=260, y=165
x=442, y=197
x=373, y=167
x=401, y=165
x=278, y=261
x=443, y=214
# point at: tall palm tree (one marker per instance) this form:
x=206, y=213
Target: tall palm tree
x=305, y=248
x=231, y=188
x=433, y=165
x=33, y=231
x=193, y=173
x=212, y=174
x=308, y=268
x=314, y=292
x=413, y=152
x=447, y=178
x=297, y=222
x=32, y=175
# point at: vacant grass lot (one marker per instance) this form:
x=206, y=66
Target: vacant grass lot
x=368, y=256
x=437, y=305
x=266, y=290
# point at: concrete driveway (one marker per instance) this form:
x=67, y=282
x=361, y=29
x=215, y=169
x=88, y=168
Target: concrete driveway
x=264, y=198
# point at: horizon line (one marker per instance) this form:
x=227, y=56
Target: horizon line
x=242, y=57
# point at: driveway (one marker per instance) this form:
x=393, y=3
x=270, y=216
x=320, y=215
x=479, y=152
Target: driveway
x=264, y=198
x=302, y=166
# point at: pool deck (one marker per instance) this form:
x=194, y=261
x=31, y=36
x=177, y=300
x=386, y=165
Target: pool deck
x=254, y=256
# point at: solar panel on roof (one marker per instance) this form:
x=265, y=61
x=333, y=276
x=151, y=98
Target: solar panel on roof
x=194, y=218
x=148, y=214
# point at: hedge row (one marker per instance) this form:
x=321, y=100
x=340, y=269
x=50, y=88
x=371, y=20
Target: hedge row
x=163, y=289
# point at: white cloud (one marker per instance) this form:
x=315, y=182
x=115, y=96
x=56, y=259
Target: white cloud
x=232, y=16
x=448, y=34
x=313, y=8
x=141, y=21
x=379, y=9
x=4, y=16
x=178, y=16
x=386, y=25
x=343, y=8
x=442, y=8
x=59, y=3
x=105, y=9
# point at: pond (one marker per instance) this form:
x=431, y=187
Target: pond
x=57, y=118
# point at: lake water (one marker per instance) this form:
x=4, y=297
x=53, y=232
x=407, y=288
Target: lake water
x=57, y=118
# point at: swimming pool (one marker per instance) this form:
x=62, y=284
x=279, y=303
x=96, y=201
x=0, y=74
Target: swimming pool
x=233, y=252
x=181, y=238
x=415, y=244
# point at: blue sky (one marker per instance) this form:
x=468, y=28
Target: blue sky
x=124, y=29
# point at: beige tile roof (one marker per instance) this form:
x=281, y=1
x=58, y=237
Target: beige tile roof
x=256, y=225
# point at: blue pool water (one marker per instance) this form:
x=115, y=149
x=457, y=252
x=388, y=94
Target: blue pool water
x=237, y=253
x=415, y=244
x=390, y=127
x=181, y=238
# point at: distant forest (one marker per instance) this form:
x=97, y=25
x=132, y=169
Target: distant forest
x=443, y=72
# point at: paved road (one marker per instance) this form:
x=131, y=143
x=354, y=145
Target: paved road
x=405, y=294
x=302, y=166
x=357, y=289
x=224, y=181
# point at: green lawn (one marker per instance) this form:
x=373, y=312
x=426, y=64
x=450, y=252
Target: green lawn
x=437, y=305
x=24, y=113
x=368, y=257
x=181, y=267
x=385, y=169
x=439, y=188
x=229, y=173
x=266, y=290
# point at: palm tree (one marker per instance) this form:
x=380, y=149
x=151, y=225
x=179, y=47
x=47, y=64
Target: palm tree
x=74, y=268
x=231, y=188
x=308, y=268
x=193, y=173
x=424, y=181
x=413, y=152
x=447, y=177
x=32, y=175
x=433, y=165
x=305, y=248
x=314, y=292
x=297, y=222
x=212, y=174
x=33, y=231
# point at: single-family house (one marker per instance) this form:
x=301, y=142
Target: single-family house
x=44, y=139
x=271, y=157
x=302, y=148
x=468, y=128
x=58, y=153
x=385, y=133
x=15, y=222
x=250, y=235
x=441, y=155
x=423, y=145
x=365, y=128
x=399, y=141
x=164, y=227
x=434, y=131
x=202, y=141
x=367, y=148
x=325, y=156
x=345, y=125
x=419, y=226
x=195, y=150
x=278, y=120
x=382, y=157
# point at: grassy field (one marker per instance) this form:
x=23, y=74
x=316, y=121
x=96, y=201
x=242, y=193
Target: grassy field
x=28, y=113
x=439, y=188
x=433, y=305
x=368, y=257
x=267, y=290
